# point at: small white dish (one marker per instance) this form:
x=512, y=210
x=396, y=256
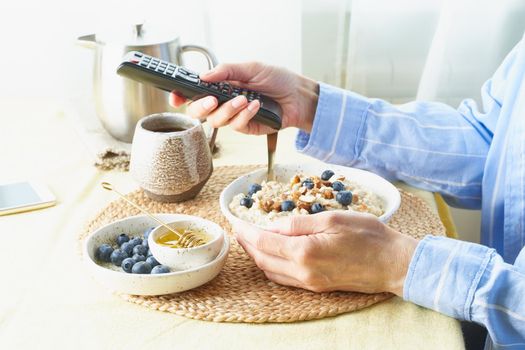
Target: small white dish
x=284, y=172
x=157, y=284
x=187, y=258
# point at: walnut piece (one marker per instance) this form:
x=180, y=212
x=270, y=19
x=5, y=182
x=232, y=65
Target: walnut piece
x=328, y=194
x=304, y=206
x=266, y=205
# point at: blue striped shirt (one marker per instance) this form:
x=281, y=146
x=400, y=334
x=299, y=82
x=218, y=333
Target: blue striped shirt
x=475, y=157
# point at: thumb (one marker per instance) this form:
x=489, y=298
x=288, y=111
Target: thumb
x=242, y=72
x=298, y=225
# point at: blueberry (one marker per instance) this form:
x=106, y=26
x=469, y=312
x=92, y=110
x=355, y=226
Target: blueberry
x=147, y=232
x=137, y=257
x=127, y=264
x=140, y=250
x=149, y=252
x=141, y=267
x=287, y=205
x=326, y=175
x=122, y=238
x=135, y=241
x=118, y=256
x=103, y=253
x=160, y=269
x=152, y=261
x=127, y=247
x=338, y=186
x=317, y=208
x=145, y=243
x=344, y=197
x=308, y=183
x=254, y=188
x=247, y=202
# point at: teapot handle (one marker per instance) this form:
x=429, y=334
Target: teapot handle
x=212, y=62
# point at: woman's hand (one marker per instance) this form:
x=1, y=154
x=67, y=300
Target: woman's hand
x=331, y=251
x=297, y=96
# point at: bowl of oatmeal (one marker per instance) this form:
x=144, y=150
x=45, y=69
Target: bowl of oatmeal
x=307, y=189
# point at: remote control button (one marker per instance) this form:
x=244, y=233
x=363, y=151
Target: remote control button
x=134, y=61
x=145, y=64
x=193, y=80
x=138, y=54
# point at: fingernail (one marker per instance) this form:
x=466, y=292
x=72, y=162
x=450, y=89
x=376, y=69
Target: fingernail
x=239, y=101
x=208, y=103
x=253, y=105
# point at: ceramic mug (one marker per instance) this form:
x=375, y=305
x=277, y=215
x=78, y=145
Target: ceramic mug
x=170, y=157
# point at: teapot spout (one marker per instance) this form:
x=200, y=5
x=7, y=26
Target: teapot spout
x=87, y=41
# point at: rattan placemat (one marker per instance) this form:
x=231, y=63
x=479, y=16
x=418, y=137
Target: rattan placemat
x=241, y=292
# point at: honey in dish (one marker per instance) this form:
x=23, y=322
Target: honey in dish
x=169, y=239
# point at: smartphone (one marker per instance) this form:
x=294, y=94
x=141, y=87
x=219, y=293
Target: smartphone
x=24, y=196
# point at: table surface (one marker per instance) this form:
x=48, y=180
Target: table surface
x=48, y=300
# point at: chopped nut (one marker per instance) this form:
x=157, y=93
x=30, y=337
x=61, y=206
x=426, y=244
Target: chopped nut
x=314, y=191
x=317, y=181
x=304, y=206
x=307, y=198
x=341, y=178
x=296, y=195
x=266, y=205
x=304, y=211
x=327, y=183
x=277, y=206
x=296, y=179
x=304, y=190
x=355, y=198
x=328, y=194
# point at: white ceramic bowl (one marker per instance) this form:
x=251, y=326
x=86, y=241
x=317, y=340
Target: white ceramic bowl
x=187, y=258
x=136, y=284
x=284, y=172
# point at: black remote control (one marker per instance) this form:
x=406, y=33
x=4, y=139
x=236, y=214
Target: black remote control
x=168, y=76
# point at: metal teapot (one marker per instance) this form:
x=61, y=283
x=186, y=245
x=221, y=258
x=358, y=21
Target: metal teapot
x=121, y=102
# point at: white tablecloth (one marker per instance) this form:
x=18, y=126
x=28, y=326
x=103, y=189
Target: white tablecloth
x=48, y=301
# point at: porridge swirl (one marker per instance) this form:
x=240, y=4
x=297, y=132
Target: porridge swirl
x=303, y=195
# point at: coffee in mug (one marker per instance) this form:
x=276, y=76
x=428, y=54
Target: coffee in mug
x=170, y=157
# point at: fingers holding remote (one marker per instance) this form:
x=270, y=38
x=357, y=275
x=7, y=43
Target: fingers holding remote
x=228, y=110
x=241, y=122
x=202, y=108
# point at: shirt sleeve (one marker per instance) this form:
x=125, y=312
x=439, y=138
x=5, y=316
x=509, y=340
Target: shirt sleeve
x=401, y=142
x=471, y=282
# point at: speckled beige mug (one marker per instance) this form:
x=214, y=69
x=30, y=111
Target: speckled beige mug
x=170, y=157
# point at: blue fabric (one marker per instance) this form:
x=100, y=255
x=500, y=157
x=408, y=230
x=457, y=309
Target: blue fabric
x=475, y=157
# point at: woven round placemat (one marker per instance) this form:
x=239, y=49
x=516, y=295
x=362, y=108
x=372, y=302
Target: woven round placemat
x=241, y=292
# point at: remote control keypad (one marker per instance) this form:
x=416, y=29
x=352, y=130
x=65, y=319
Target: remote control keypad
x=172, y=70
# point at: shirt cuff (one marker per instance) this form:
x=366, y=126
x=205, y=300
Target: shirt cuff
x=337, y=126
x=444, y=274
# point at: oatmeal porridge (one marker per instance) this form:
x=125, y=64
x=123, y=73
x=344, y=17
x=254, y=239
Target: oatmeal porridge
x=303, y=195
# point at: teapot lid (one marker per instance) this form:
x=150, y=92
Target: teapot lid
x=136, y=35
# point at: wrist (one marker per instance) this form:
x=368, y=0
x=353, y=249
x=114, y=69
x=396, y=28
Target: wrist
x=308, y=97
x=402, y=249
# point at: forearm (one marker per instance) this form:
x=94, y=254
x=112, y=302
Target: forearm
x=400, y=142
x=470, y=282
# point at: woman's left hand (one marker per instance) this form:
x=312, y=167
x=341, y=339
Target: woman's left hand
x=330, y=251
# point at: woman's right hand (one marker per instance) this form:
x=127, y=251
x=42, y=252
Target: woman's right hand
x=296, y=95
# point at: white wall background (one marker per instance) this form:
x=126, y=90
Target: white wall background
x=40, y=58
